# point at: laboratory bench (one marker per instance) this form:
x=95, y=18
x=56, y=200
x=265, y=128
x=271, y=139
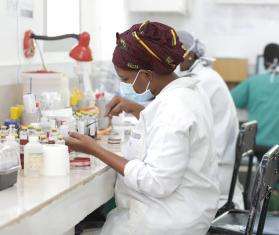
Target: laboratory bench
x=54, y=205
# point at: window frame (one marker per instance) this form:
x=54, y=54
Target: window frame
x=58, y=46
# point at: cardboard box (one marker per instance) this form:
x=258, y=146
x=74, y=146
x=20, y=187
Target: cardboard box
x=232, y=69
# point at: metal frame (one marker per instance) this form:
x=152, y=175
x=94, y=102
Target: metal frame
x=262, y=190
x=247, y=203
x=267, y=174
x=244, y=147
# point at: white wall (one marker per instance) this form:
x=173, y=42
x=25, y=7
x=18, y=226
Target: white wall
x=11, y=35
x=102, y=19
x=227, y=30
x=12, y=28
x=12, y=61
x=11, y=55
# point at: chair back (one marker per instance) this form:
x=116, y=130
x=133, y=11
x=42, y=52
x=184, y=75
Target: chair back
x=244, y=147
x=248, y=148
x=267, y=175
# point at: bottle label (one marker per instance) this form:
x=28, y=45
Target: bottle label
x=81, y=127
x=23, y=136
x=33, y=164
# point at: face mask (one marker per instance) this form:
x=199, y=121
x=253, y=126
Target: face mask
x=273, y=69
x=127, y=91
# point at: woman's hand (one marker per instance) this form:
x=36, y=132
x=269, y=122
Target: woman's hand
x=118, y=104
x=81, y=143
x=86, y=144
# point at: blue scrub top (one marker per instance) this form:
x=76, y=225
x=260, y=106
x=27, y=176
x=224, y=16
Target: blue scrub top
x=260, y=96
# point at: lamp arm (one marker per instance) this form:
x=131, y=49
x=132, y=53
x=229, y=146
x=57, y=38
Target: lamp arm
x=54, y=38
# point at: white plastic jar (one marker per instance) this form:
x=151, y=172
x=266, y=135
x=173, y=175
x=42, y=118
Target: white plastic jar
x=33, y=157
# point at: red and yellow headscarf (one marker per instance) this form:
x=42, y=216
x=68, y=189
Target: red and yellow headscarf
x=150, y=46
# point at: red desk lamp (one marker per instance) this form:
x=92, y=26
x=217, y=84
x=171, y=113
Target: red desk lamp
x=81, y=52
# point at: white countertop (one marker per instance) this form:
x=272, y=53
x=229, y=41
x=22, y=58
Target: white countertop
x=30, y=195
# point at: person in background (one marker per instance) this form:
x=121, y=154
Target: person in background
x=224, y=112
x=259, y=95
x=166, y=182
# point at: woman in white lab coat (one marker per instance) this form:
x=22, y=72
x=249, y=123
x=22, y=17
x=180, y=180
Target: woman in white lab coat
x=166, y=182
x=224, y=112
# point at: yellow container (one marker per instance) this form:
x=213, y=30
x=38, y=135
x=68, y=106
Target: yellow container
x=76, y=97
x=15, y=113
x=74, y=100
x=21, y=108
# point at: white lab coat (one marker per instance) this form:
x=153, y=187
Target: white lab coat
x=170, y=184
x=225, y=126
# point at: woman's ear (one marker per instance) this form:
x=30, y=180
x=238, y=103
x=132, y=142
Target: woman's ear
x=146, y=79
x=149, y=74
x=188, y=61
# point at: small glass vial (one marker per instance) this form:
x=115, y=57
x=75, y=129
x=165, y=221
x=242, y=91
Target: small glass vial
x=64, y=129
x=31, y=131
x=12, y=130
x=2, y=138
x=86, y=121
x=39, y=131
x=44, y=140
x=53, y=136
x=80, y=124
x=60, y=140
x=92, y=124
x=4, y=131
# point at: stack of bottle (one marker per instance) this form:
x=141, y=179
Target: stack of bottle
x=31, y=139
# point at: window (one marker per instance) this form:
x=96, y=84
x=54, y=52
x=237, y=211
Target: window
x=61, y=17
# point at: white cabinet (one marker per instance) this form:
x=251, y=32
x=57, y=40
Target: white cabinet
x=167, y=6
